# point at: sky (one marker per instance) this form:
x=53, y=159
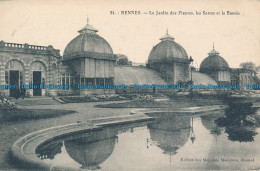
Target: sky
x=56, y=22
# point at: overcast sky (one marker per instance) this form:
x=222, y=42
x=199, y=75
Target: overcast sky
x=56, y=22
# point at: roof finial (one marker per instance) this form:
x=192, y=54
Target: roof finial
x=167, y=36
x=88, y=28
x=213, y=51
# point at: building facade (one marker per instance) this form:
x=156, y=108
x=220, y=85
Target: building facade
x=88, y=60
x=216, y=67
x=242, y=77
x=170, y=60
x=24, y=64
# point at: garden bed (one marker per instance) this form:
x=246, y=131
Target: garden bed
x=180, y=102
x=98, y=98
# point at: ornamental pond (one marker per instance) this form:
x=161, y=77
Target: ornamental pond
x=223, y=140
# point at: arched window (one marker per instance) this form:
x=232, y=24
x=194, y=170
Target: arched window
x=14, y=73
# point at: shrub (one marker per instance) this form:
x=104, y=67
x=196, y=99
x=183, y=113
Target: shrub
x=147, y=98
x=6, y=104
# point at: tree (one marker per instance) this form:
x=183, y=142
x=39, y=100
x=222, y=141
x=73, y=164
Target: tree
x=248, y=65
x=123, y=61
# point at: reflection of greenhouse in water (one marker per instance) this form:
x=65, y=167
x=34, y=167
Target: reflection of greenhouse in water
x=90, y=155
x=170, y=132
x=92, y=149
x=168, y=138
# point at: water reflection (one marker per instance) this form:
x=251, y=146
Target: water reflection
x=168, y=143
x=192, y=134
x=90, y=155
x=93, y=148
x=241, y=134
x=209, y=123
x=233, y=140
x=170, y=132
x=88, y=150
x=49, y=150
x=240, y=123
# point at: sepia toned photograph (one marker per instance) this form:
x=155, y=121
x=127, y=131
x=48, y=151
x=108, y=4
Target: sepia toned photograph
x=129, y=85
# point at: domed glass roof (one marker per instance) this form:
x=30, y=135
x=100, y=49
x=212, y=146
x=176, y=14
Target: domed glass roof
x=88, y=44
x=167, y=51
x=213, y=62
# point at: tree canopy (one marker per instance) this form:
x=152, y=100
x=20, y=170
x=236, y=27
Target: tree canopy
x=248, y=65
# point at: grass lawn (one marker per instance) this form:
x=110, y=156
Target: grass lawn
x=31, y=114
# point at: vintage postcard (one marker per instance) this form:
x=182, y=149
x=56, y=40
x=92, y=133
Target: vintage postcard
x=129, y=85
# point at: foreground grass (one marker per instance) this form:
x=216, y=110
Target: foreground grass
x=31, y=114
